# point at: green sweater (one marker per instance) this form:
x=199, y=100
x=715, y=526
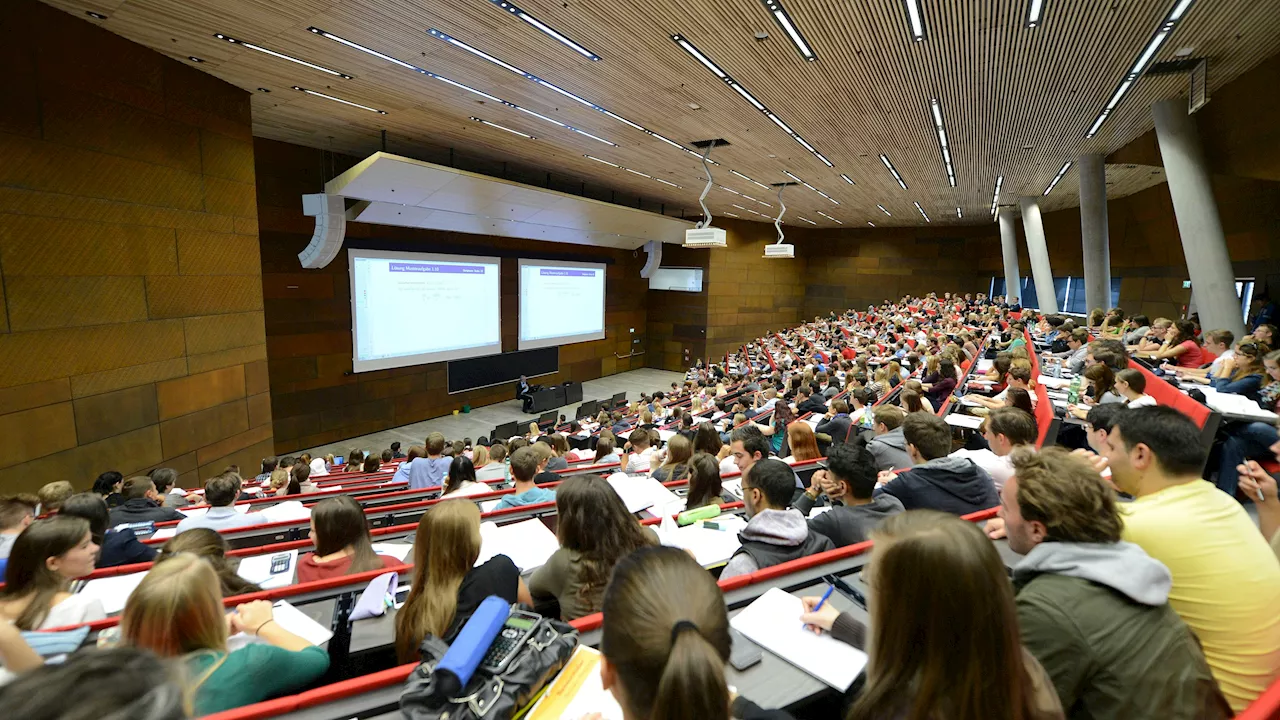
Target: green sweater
x=252, y=674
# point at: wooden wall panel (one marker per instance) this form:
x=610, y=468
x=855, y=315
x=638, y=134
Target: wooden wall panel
x=750, y=295
x=130, y=282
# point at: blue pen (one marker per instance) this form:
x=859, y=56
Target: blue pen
x=816, y=608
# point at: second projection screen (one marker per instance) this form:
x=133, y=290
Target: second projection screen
x=560, y=302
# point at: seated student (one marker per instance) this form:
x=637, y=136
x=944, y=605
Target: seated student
x=1244, y=374
x=98, y=683
x=675, y=460
x=340, y=534
x=1258, y=484
x=561, y=447
x=166, y=482
x=448, y=586
x=936, y=480
x=1004, y=430
x=1131, y=384
x=462, y=478
x=372, y=464
x=835, y=423
x=1182, y=346
x=1017, y=377
x=606, y=453
x=1226, y=582
x=16, y=513
x=1094, y=610
x=115, y=546
x=301, y=481
x=595, y=532
x=939, y=389
x=429, y=471
x=53, y=494
x=221, y=492
x=545, y=455
x=808, y=401
x=355, y=461
x=108, y=486
x=142, y=504
x=958, y=647
x=802, y=442
x=525, y=465
x=176, y=612
x=775, y=532
x=496, y=467
x=1218, y=342
x=45, y=559
x=212, y=548
x=641, y=453
x=705, y=486
x=395, y=451
x=665, y=641
x=269, y=465
x=889, y=446
x=848, y=480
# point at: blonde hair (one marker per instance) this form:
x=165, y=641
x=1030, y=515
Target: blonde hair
x=176, y=609
x=480, y=456
x=279, y=478
x=696, y=405
x=445, y=548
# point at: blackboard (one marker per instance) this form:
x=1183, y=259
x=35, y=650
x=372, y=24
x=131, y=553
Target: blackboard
x=491, y=370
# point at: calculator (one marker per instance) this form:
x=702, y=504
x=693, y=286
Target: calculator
x=279, y=563
x=513, y=635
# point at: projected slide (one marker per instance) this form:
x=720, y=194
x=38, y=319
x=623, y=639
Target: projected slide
x=560, y=302
x=412, y=308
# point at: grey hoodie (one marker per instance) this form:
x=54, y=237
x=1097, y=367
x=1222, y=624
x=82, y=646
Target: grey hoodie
x=890, y=450
x=783, y=528
x=1122, y=566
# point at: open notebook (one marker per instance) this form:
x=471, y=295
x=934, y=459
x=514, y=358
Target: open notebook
x=577, y=691
x=773, y=622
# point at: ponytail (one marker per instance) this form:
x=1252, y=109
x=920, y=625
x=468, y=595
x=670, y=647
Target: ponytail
x=692, y=686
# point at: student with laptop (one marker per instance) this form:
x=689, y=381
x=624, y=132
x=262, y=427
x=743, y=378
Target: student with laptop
x=775, y=532
x=1093, y=609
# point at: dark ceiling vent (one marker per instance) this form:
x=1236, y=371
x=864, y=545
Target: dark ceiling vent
x=1174, y=67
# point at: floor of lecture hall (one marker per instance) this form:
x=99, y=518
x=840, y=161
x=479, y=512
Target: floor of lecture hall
x=482, y=420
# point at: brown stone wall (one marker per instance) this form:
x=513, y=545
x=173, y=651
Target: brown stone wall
x=131, y=325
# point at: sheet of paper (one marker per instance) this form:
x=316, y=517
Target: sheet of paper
x=112, y=592
x=489, y=505
x=400, y=551
x=733, y=486
x=528, y=543
x=710, y=547
x=1053, y=382
x=288, y=510
x=666, y=435
x=964, y=421
x=577, y=691
x=773, y=622
x=290, y=618
x=164, y=533
x=644, y=493
x=257, y=569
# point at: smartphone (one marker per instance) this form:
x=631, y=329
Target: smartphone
x=742, y=652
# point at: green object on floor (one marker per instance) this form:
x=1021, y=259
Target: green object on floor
x=466, y=408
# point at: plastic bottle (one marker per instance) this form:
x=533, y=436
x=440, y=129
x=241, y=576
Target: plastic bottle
x=1073, y=395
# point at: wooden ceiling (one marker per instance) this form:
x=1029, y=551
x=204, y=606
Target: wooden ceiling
x=1017, y=101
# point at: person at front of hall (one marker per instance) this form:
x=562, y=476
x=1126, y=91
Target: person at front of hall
x=522, y=394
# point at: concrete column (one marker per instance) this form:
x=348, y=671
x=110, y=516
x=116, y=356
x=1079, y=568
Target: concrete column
x=1038, y=252
x=1203, y=243
x=1093, y=231
x=1009, y=248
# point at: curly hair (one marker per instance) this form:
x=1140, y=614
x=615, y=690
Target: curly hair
x=1068, y=496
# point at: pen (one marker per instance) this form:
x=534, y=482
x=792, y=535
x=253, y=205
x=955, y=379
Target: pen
x=818, y=607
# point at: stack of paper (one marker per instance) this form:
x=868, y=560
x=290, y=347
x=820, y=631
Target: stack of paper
x=710, y=547
x=773, y=622
x=1233, y=404
x=529, y=543
x=644, y=493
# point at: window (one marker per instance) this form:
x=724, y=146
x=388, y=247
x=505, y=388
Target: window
x=1069, y=290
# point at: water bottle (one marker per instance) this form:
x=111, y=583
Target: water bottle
x=1073, y=395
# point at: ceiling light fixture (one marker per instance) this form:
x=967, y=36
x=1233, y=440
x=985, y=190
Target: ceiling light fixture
x=716, y=70
x=503, y=127
x=633, y=172
x=995, y=199
x=793, y=177
x=735, y=192
x=560, y=37
x=959, y=214
x=194, y=59
x=871, y=223
x=731, y=215
x=95, y=15
x=1035, y=13
x=755, y=200
x=338, y=99
x=847, y=179
x=922, y=212
x=915, y=18
x=779, y=13
x=885, y=159
x=942, y=140
x=806, y=220
x=553, y=121
x=830, y=218
x=883, y=210
x=1065, y=167
x=606, y=162
x=1162, y=33
x=281, y=55
x=366, y=50
x=744, y=177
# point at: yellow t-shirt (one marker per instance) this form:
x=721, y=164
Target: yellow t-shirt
x=1226, y=580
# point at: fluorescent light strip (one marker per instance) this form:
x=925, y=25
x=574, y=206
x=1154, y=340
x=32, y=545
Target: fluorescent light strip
x=735, y=192
x=637, y=172
x=915, y=18
x=364, y=49
x=737, y=87
x=338, y=99
x=885, y=159
x=922, y=212
x=1035, y=13
x=503, y=127
x=886, y=212
x=847, y=179
x=806, y=220
x=959, y=213
x=665, y=182
x=1162, y=33
x=753, y=212
x=793, y=177
x=633, y=172
x=1065, y=167
x=731, y=215
x=540, y=116
x=779, y=13
x=282, y=56
x=606, y=162
x=744, y=177
x=942, y=140
x=755, y=200
x=830, y=218
x=474, y=51
x=560, y=37
x=871, y=223
x=995, y=199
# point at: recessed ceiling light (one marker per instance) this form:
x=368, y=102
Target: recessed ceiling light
x=1184, y=52
x=560, y=37
x=779, y=13
x=1028, y=147
x=263, y=90
x=995, y=199
x=941, y=129
x=922, y=212
x=883, y=210
x=806, y=220
x=282, y=56
x=503, y=127
x=830, y=218
x=1035, y=12
x=885, y=159
x=793, y=177
x=847, y=179
x=1065, y=167
x=95, y=15
x=340, y=100
x=959, y=213
x=194, y=59
x=871, y=223
x=915, y=19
